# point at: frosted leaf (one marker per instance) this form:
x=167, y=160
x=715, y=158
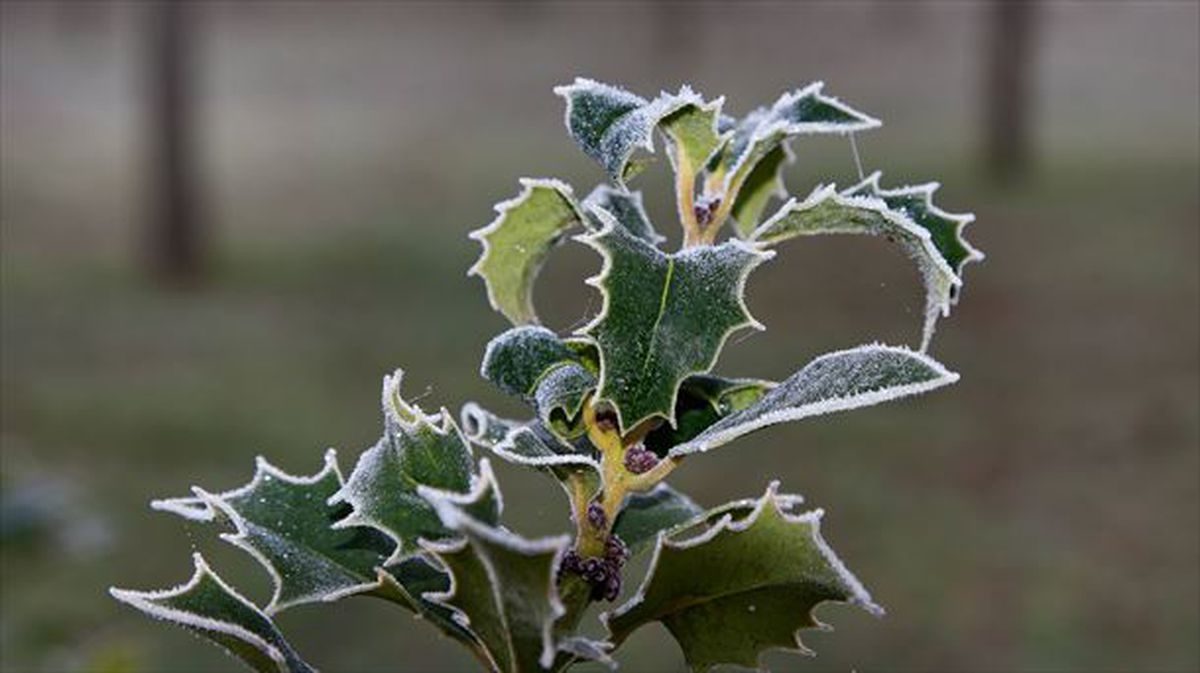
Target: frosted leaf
x=416, y=450
x=761, y=133
x=702, y=401
x=208, y=606
x=610, y=123
x=502, y=585
x=627, y=209
x=535, y=365
x=532, y=445
x=825, y=211
x=741, y=586
x=665, y=317
x=516, y=243
x=283, y=521
x=945, y=229
x=840, y=381
x=645, y=514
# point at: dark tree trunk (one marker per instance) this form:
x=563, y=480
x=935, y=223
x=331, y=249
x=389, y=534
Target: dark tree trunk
x=1008, y=93
x=176, y=242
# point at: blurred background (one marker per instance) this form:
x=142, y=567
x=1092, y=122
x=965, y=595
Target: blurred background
x=222, y=223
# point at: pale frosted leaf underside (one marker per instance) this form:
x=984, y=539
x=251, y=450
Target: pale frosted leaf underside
x=517, y=241
x=741, y=587
x=664, y=318
x=206, y=605
x=850, y=379
x=825, y=211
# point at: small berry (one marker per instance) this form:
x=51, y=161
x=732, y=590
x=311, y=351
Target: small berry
x=639, y=459
x=616, y=551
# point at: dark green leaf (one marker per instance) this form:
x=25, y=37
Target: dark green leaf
x=416, y=450
x=208, y=606
x=627, y=209
x=502, y=584
x=645, y=514
x=827, y=212
x=741, y=587
x=665, y=317
x=704, y=400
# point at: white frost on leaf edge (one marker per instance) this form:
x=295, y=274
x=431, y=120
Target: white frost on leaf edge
x=528, y=185
x=654, y=110
x=448, y=506
x=395, y=409
x=783, y=504
x=789, y=129
x=591, y=239
x=593, y=199
x=144, y=601
x=944, y=377
x=926, y=191
x=938, y=299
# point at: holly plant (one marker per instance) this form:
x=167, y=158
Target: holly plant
x=616, y=407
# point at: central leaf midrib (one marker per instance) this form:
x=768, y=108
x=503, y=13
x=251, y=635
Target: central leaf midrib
x=662, y=309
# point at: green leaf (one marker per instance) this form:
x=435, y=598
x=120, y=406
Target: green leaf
x=502, y=585
x=610, y=123
x=740, y=588
x=416, y=450
x=704, y=400
x=849, y=379
x=627, y=209
x=645, y=514
x=534, y=364
x=529, y=444
x=206, y=605
x=692, y=131
x=763, y=183
x=825, y=211
x=665, y=317
x=516, y=243
x=801, y=112
x=284, y=522
x=945, y=229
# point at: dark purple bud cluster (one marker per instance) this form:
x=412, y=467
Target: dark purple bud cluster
x=596, y=517
x=705, y=208
x=639, y=459
x=604, y=574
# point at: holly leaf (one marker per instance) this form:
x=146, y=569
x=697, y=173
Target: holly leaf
x=574, y=466
x=945, y=229
x=535, y=365
x=825, y=211
x=206, y=605
x=645, y=514
x=416, y=450
x=849, y=379
x=665, y=317
x=610, y=123
x=741, y=587
x=284, y=522
x=704, y=400
x=517, y=241
x=627, y=209
x=754, y=138
x=502, y=585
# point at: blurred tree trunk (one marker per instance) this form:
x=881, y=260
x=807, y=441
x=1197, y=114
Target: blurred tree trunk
x=175, y=240
x=1008, y=88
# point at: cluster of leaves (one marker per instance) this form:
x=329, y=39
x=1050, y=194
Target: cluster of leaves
x=616, y=407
